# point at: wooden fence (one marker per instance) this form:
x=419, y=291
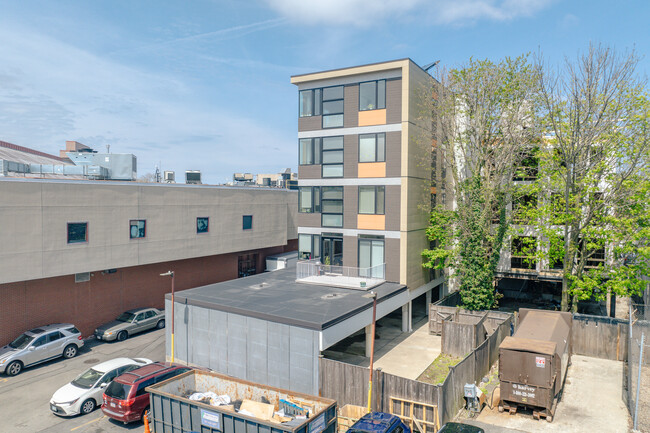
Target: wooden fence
x=600, y=337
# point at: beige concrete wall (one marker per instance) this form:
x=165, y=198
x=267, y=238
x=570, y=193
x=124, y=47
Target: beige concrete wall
x=34, y=217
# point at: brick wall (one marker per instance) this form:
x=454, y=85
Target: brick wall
x=28, y=304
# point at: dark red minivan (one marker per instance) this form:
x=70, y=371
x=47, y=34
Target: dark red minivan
x=126, y=400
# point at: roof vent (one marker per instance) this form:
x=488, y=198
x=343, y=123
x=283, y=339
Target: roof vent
x=259, y=286
x=333, y=296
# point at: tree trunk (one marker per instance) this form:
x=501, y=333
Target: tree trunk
x=564, y=306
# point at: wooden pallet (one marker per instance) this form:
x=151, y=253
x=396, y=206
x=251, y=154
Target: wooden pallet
x=429, y=422
x=538, y=413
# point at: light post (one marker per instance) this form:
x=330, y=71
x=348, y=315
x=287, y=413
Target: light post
x=372, y=295
x=166, y=274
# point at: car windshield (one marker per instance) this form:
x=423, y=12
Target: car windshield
x=21, y=342
x=125, y=317
x=87, y=379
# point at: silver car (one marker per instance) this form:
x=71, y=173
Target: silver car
x=40, y=345
x=129, y=323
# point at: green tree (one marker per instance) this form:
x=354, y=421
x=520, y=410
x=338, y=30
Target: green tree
x=485, y=123
x=593, y=216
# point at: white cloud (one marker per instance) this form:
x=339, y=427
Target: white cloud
x=56, y=92
x=364, y=12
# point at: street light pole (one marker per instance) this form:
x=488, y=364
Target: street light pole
x=372, y=295
x=171, y=273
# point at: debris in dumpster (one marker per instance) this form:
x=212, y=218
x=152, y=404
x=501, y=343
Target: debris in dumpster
x=210, y=398
x=259, y=410
x=292, y=408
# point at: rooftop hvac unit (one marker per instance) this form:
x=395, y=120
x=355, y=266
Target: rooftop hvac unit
x=169, y=177
x=193, y=177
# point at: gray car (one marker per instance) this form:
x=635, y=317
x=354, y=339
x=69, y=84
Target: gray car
x=129, y=323
x=40, y=345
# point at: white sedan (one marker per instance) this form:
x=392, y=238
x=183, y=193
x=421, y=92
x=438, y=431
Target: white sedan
x=84, y=394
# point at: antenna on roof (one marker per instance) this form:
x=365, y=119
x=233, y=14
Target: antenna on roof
x=430, y=65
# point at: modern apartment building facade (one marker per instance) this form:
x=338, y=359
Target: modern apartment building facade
x=365, y=154
x=84, y=251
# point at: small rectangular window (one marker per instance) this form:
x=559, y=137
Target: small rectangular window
x=202, y=224
x=372, y=200
x=332, y=107
x=332, y=157
x=137, y=229
x=306, y=103
x=247, y=222
x=77, y=233
x=309, y=151
x=372, y=147
x=372, y=95
x=82, y=277
x=305, y=199
x=332, y=206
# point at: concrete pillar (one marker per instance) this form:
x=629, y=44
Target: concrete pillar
x=427, y=296
x=368, y=340
x=407, y=320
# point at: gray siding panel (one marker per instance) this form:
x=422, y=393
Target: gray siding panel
x=350, y=206
x=200, y=322
x=218, y=341
x=301, y=377
x=393, y=154
x=393, y=208
x=350, y=155
x=394, y=101
x=257, y=361
x=309, y=219
x=350, y=251
x=309, y=123
x=278, y=355
x=391, y=252
x=309, y=171
x=351, y=106
x=237, y=330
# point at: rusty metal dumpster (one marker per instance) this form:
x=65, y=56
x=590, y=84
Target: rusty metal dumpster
x=534, y=361
x=172, y=411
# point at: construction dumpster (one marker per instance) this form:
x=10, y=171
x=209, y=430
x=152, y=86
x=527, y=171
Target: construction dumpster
x=208, y=402
x=534, y=361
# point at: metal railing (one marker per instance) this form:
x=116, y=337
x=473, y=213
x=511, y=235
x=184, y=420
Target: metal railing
x=314, y=270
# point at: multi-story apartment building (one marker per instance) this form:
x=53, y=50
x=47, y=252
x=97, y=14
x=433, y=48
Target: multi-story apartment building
x=365, y=166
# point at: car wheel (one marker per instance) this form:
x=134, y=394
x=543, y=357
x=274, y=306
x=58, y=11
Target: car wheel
x=123, y=335
x=87, y=406
x=160, y=324
x=70, y=351
x=14, y=368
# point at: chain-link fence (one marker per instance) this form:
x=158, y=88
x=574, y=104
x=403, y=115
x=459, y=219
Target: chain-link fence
x=638, y=372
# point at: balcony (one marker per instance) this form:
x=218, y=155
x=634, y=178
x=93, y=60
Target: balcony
x=346, y=277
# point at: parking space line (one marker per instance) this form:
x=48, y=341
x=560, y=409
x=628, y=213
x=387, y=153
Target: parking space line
x=4, y=379
x=89, y=422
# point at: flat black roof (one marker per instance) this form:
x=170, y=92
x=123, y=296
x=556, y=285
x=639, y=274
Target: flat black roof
x=277, y=297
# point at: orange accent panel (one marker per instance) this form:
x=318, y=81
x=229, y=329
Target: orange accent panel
x=372, y=117
x=371, y=222
x=372, y=169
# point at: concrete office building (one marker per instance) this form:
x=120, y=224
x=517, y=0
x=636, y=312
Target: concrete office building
x=84, y=251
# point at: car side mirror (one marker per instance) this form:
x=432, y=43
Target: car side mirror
x=103, y=385
x=32, y=348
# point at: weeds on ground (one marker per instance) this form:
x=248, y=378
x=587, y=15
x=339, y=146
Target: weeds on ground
x=438, y=370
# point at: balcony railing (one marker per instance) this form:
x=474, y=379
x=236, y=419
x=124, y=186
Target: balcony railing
x=348, y=277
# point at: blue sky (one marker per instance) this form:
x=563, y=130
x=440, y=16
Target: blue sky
x=204, y=85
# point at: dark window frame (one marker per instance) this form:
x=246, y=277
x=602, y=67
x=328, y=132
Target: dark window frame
x=371, y=239
x=207, y=225
x=316, y=146
x=378, y=107
x=323, y=200
x=315, y=199
x=322, y=158
x=144, y=228
x=528, y=262
x=316, y=102
x=314, y=244
x=376, y=189
x=244, y=222
x=376, y=135
x=77, y=241
x=328, y=115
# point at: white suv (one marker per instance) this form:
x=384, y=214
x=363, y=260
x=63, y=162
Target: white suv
x=40, y=345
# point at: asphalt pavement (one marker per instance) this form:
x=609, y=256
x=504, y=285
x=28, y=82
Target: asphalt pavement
x=24, y=399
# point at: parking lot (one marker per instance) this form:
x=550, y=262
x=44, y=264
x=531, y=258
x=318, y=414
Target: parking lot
x=24, y=399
